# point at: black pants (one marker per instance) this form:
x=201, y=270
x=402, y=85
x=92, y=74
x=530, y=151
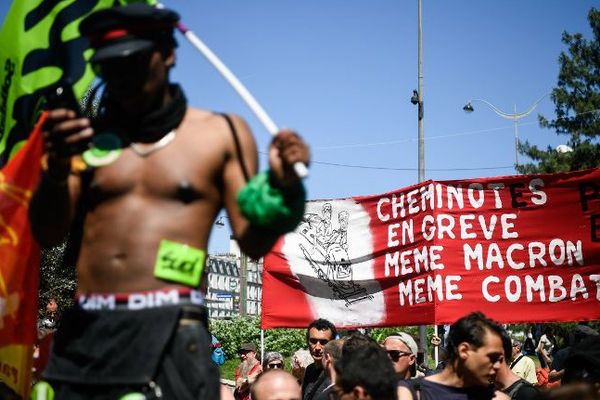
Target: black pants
x=158, y=352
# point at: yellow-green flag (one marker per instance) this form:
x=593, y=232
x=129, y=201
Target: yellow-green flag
x=40, y=44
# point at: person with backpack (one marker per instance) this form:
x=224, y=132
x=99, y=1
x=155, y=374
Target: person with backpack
x=217, y=354
x=522, y=365
x=508, y=381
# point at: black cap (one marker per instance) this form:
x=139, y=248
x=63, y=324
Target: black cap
x=248, y=347
x=120, y=31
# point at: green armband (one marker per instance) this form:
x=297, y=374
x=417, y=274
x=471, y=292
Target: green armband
x=269, y=207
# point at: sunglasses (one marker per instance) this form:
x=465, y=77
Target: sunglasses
x=275, y=365
x=396, y=354
x=134, y=62
x=322, y=342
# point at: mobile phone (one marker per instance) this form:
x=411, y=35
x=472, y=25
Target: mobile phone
x=61, y=96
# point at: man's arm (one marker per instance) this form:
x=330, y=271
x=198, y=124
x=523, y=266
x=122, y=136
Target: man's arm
x=53, y=203
x=529, y=372
x=555, y=375
x=286, y=149
x=404, y=393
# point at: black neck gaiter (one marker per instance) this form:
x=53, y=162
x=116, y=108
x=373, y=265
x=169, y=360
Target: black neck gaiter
x=148, y=127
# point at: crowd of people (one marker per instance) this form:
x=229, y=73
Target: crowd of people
x=479, y=359
x=133, y=184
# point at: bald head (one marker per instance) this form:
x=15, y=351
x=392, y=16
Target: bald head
x=276, y=385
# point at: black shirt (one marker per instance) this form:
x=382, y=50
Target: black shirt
x=434, y=391
x=558, y=361
x=521, y=390
x=315, y=381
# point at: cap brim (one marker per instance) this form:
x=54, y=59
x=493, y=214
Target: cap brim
x=121, y=50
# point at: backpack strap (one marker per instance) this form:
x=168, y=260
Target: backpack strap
x=515, y=362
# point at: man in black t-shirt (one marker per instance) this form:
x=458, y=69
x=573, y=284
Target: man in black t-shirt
x=475, y=354
x=318, y=334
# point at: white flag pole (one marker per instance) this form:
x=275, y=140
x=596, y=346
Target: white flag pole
x=436, y=349
x=262, y=345
x=299, y=167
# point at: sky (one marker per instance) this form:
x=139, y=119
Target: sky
x=341, y=73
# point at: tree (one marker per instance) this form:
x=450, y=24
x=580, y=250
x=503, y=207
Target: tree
x=577, y=107
x=57, y=280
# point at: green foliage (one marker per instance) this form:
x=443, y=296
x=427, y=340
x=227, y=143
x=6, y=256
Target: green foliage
x=227, y=370
x=232, y=333
x=56, y=279
x=577, y=106
x=285, y=341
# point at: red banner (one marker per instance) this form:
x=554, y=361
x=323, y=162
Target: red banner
x=19, y=265
x=519, y=248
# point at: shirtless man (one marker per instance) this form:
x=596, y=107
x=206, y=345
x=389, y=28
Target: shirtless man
x=138, y=205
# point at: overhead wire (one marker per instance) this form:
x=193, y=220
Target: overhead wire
x=467, y=133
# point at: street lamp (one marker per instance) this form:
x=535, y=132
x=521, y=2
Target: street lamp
x=515, y=117
x=220, y=222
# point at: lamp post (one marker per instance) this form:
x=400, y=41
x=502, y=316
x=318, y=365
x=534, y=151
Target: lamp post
x=515, y=117
x=220, y=222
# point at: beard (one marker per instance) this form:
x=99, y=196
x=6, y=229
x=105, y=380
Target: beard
x=246, y=367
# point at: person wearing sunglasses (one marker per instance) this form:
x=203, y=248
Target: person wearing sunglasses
x=273, y=360
x=402, y=349
x=134, y=184
x=318, y=334
x=247, y=371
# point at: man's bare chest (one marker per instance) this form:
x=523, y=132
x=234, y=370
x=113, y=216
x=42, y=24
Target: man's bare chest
x=176, y=172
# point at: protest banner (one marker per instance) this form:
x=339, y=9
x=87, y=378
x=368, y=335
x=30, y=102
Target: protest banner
x=518, y=248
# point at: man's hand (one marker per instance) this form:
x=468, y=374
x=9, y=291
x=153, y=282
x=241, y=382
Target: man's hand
x=65, y=135
x=286, y=149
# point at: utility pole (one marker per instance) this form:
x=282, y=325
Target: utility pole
x=422, y=328
x=420, y=99
x=243, y=284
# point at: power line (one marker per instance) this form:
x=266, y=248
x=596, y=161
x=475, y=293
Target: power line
x=412, y=140
x=345, y=146
x=466, y=133
x=407, y=169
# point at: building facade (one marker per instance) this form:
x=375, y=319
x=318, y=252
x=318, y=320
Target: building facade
x=224, y=281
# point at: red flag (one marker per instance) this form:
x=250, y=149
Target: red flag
x=518, y=248
x=19, y=264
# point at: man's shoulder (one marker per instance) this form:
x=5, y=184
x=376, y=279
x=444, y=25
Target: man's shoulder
x=200, y=117
x=522, y=390
x=525, y=360
x=325, y=394
x=205, y=125
x=312, y=371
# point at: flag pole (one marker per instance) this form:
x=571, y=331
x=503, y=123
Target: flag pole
x=299, y=167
